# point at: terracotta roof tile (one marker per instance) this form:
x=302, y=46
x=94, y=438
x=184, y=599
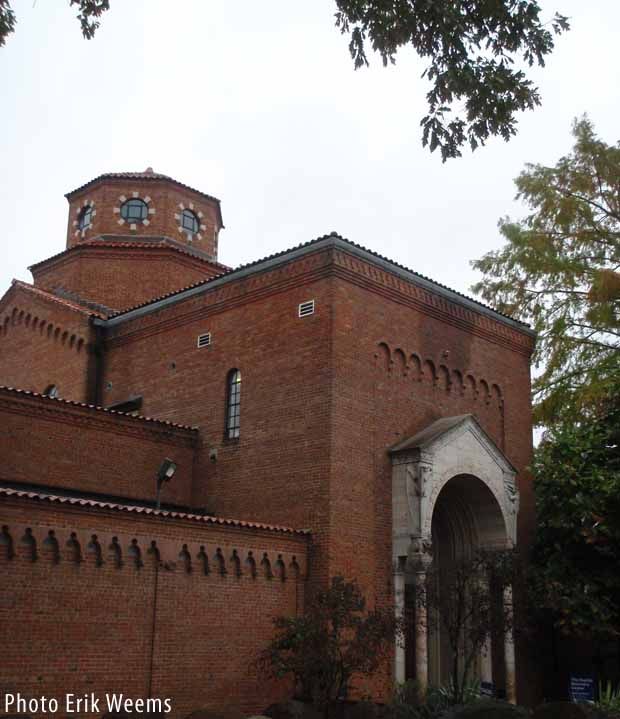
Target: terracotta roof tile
x=73, y=403
x=59, y=300
x=310, y=243
x=149, y=511
x=133, y=244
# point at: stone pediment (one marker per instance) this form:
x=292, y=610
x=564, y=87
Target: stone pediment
x=426, y=461
x=443, y=430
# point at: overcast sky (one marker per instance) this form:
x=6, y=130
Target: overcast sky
x=258, y=104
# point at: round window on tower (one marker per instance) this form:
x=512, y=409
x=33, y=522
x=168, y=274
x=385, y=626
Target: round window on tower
x=190, y=222
x=134, y=211
x=85, y=217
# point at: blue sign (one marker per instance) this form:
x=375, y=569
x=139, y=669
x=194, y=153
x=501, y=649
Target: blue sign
x=581, y=689
x=487, y=689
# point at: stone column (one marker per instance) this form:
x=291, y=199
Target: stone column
x=399, y=610
x=509, y=650
x=421, y=559
x=486, y=653
x=486, y=663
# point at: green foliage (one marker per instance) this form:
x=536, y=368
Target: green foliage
x=559, y=271
x=472, y=46
x=608, y=698
x=334, y=639
x=7, y=21
x=89, y=12
x=577, y=549
x=473, y=49
x=486, y=709
x=464, y=600
x=405, y=702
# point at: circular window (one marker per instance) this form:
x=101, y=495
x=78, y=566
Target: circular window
x=189, y=221
x=134, y=210
x=85, y=217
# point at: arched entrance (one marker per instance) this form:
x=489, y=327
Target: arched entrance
x=453, y=492
x=466, y=517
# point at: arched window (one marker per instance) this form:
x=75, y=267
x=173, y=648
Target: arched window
x=233, y=404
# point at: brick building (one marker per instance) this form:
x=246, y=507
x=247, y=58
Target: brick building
x=328, y=412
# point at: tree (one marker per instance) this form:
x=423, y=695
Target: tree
x=89, y=12
x=560, y=271
x=335, y=639
x=577, y=549
x=464, y=601
x=472, y=47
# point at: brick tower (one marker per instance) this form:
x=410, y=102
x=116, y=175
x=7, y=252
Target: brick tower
x=132, y=236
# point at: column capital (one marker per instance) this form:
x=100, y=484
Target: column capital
x=420, y=554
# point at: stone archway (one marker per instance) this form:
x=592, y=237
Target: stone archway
x=453, y=490
x=466, y=518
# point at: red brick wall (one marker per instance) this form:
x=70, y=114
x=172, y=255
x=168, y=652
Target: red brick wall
x=324, y=398
x=122, y=277
x=277, y=470
x=41, y=344
x=72, y=626
x=380, y=345
x=165, y=198
x=50, y=442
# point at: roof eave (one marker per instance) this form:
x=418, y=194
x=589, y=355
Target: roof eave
x=328, y=241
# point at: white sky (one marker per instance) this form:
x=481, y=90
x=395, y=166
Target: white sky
x=259, y=105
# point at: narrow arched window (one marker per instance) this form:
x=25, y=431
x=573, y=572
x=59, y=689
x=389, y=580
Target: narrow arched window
x=233, y=404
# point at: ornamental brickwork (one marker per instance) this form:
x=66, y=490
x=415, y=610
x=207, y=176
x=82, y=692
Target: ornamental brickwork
x=250, y=524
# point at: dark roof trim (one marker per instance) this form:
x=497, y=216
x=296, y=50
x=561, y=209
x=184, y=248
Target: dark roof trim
x=328, y=241
x=58, y=498
x=149, y=177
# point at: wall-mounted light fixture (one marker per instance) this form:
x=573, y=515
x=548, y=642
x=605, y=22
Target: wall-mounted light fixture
x=165, y=474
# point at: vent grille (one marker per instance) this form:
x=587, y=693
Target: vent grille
x=203, y=340
x=306, y=308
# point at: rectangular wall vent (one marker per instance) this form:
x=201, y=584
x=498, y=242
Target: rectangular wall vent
x=204, y=340
x=306, y=308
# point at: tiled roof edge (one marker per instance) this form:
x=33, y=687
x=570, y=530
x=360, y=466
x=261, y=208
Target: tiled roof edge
x=332, y=240
x=84, y=405
x=148, y=511
x=135, y=243
x=69, y=304
x=149, y=177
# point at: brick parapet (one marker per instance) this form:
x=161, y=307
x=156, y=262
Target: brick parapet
x=158, y=607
